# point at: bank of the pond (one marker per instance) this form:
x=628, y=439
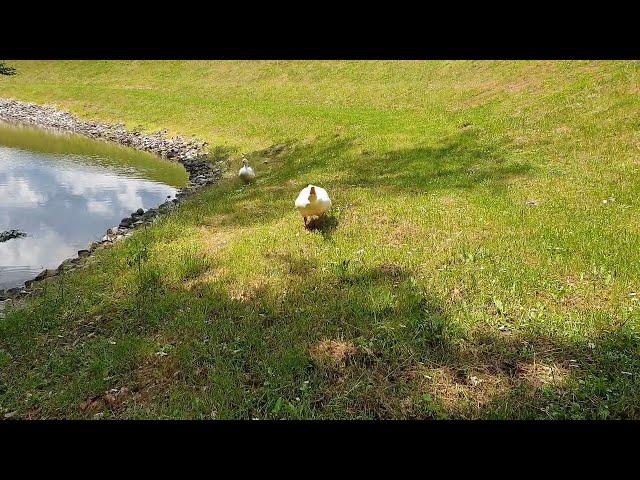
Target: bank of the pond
x=190, y=153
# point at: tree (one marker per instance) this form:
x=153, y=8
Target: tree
x=6, y=70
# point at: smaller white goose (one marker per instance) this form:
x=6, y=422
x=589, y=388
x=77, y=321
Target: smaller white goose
x=246, y=173
x=313, y=202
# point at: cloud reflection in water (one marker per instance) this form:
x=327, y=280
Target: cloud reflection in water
x=62, y=204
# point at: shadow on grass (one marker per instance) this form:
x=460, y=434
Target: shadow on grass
x=345, y=342
x=325, y=225
x=463, y=161
x=395, y=352
x=339, y=342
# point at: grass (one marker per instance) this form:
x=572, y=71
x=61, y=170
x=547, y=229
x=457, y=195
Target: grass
x=470, y=268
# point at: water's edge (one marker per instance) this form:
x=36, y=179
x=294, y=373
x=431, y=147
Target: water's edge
x=191, y=154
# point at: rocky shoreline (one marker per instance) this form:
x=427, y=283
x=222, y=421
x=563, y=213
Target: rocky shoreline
x=191, y=154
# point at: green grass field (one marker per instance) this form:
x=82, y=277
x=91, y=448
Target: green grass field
x=482, y=259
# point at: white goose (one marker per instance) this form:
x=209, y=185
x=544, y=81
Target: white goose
x=246, y=173
x=313, y=202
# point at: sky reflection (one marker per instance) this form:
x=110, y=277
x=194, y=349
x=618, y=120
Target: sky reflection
x=63, y=203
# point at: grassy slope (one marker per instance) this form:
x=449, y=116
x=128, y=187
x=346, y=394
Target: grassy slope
x=439, y=292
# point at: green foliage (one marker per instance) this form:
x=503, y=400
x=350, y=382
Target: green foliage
x=471, y=269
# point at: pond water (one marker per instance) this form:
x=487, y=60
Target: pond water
x=64, y=191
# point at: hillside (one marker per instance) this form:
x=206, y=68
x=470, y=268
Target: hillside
x=482, y=260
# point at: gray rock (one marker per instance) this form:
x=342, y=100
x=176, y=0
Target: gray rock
x=12, y=292
x=11, y=234
x=45, y=274
x=66, y=265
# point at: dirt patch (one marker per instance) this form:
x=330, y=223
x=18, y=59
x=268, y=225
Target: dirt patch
x=462, y=392
x=154, y=376
x=333, y=353
x=391, y=270
x=541, y=374
x=294, y=265
x=248, y=290
x=563, y=130
x=449, y=201
x=214, y=240
x=457, y=294
x=112, y=400
x=402, y=232
x=209, y=277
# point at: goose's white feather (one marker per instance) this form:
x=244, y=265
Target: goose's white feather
x=246, y=173
x=313, y=206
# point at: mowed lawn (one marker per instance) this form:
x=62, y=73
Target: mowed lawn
x=482, y=259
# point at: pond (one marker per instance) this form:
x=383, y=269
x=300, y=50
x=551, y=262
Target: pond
x=64, y=191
